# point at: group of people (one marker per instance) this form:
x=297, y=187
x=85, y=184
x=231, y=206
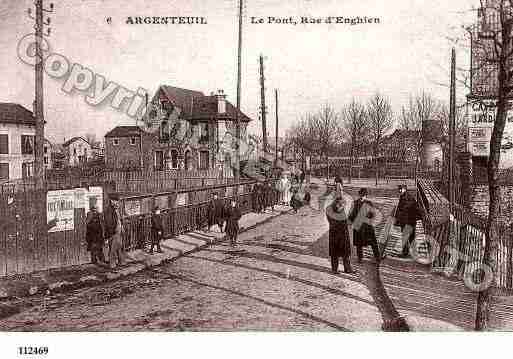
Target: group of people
x=106, y=229
x=263, y=196
x=218, y=214
x=104, y=232
x=360, y=217
x=295, y=193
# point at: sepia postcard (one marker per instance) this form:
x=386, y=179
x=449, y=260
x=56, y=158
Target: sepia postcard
x=253, y=166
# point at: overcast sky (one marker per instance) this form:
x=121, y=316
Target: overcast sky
x=311, y=65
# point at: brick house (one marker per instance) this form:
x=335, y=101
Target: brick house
x=182, y=129
x=17, y=133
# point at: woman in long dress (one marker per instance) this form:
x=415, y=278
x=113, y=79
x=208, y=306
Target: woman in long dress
x=285, y=187
x=339, y=241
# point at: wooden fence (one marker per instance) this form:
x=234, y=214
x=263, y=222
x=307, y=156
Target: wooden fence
x=27, y=246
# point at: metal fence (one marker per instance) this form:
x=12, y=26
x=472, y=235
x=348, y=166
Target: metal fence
x=27, y=246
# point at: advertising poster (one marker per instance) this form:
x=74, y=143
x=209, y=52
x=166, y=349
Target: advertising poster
x=133, y=208
x=181, y=199
x=60, y=210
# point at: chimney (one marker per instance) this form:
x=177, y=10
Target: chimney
x=221, y=102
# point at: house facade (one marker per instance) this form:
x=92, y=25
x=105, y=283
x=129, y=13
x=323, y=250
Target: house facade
x=182, y=129
x=17, y=134
x=78, y=151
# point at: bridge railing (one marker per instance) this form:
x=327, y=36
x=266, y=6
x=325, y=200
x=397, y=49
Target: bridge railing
x=458, y=237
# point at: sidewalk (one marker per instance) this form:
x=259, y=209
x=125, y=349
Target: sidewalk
x=62, y=279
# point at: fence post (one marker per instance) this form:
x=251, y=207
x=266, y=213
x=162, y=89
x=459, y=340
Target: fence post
x=464, y=182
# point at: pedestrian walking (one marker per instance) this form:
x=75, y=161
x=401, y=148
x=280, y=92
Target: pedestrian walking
x=364, y=234
x=285, y=187
x=114, y=231
x=269, y=195
x=157, y=230
x=406, y=215
x=339, y=241
x=95, y=236
x=255, y=198
x=339, y=186
x=233, y=215
x=308, y=197
x=216, y=212
x=302, y=176
x=295, y=202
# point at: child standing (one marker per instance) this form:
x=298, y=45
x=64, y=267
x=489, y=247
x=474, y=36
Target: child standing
x=233, y=214
x=157, y=230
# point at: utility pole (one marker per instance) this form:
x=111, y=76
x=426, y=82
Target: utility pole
x=452, y=125
x=237, y=119
x=39, y=171
x=262, y=101
x=276, y=128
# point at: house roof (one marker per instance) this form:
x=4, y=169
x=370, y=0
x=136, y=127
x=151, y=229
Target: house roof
x=196, y=106
x=124, y=131
x=16, y=114
x=73, y=139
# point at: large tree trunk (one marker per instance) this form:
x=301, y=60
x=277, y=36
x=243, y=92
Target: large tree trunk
x=484, y=299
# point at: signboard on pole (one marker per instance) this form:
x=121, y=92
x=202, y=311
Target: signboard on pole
x=479, y=148
x=60, y=210
x=479, y=134
x=481, y=114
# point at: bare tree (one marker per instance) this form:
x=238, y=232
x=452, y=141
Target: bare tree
x=494, y=32
x=325, y=127
x=422, y=107
x=380, y=114
x=355, y=129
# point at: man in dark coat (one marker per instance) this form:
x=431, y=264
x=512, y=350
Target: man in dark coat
x=339, y=242
x=114, y=231
x=270, y=195
x=216, y=212
x=95, y=236
x=363, y=231
x=233, y=214
x=157, y=230
x=406, y=215
x=255, y=198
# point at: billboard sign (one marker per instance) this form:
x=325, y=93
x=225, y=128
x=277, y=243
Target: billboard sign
x=60, y=210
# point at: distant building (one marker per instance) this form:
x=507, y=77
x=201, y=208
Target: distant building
x=78, y=151
x=183, y=129
x=17, y=133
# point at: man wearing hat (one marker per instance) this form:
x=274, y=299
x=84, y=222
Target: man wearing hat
x=406, y=215
x=114, y=231
x=216, y=212
x=95, y=236
x=361, y=216
x=157, y=229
